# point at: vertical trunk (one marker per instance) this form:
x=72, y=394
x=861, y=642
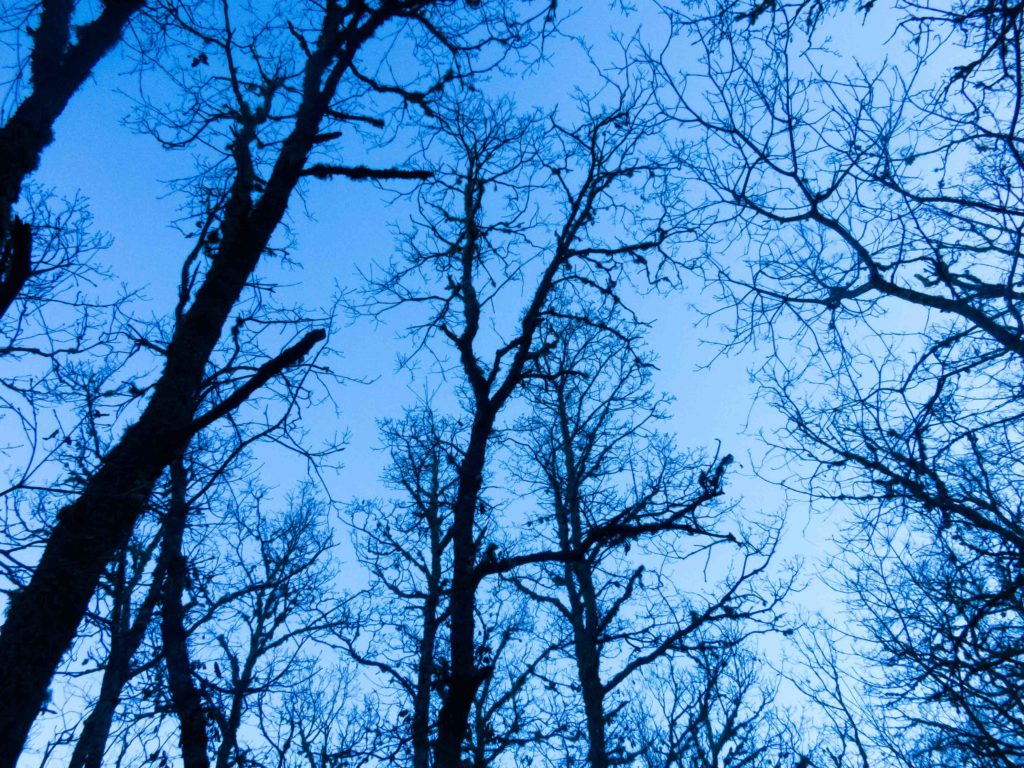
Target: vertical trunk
x=424, y=681
x=586, y=646
x=185, y=697
x=582, y=595
x=124, y=643
x=464, y=677
x=588, y=663
x=478, y=758
x=428, y=642
x=489, y=398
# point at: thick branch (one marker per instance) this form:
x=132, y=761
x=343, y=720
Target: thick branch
x=362, y=173
x=269, y=370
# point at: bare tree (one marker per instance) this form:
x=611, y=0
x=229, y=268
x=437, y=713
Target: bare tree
x=261, y=644
x=247, y=598
x=402, y=634
x=882, y=207
x=618, y=492
x=280, y=89
x=407, y=551
x=506, y=721
x=470, y=251
x=718, y=709
x=184, y=693
x=846, y=732
x=316, y=726
x=128, y=624
x=64, y=52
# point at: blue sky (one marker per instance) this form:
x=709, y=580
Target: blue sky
x=344, y=227
x=125, y=177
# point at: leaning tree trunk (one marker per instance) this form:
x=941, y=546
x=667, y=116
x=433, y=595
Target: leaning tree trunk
x=124, y=643
x=42, y=617
x=58, y=70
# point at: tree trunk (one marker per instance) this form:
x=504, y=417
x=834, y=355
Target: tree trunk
x=124, y=643
x=428, y=642
x=424, y=682
x=464, y=676
x=92, y=742
x=42, y=618
x=58, y=71
x=588, y=667
x=185, y=697
x=15, y=262
x=583, y=607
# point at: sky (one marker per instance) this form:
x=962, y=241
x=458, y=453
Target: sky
x=349, y=226
x=342, y=228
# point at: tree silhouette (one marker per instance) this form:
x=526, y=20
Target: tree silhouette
x=64, y=52
x=278, y=114
x=882, y=208
x=469, y=251
x=618, y=492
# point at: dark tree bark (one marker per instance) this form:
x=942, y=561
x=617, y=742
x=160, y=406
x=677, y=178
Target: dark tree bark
x=464, y=675
x=126, y=638
x=15, y=262
x=584, y=614
x=420, y=727
x=42, y=618
x=58, y=69
x=185, y=696
x=586, y=641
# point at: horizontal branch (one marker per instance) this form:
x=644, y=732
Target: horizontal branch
x=362, y=173
x=491, y=565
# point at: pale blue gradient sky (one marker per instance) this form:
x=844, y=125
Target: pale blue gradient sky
x=342, y=228
x=348, y=228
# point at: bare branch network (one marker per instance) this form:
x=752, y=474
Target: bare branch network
x=548, y=556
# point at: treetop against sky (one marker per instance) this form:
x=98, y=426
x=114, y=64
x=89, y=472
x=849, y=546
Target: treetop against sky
x=436, y=382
